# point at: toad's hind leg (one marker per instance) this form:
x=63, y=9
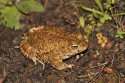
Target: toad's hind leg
x=59, y=64
x=28, y=51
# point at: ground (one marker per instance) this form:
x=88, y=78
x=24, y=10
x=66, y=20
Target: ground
x=96, y=64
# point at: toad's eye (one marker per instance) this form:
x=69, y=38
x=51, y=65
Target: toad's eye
x=73, y=46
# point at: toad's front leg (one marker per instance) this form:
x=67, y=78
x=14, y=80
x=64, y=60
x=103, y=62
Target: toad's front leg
x=57, y=63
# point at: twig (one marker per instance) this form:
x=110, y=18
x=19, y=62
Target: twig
x=97, y=75
x=95, y=66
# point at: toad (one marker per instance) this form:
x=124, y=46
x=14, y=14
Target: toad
x=52, y=45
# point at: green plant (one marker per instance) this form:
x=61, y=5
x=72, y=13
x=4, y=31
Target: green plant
x=82, y=21
x=119, y=25
x=11, y=11
x=96, y=18
x=107, y=11
x=120, y=34
x=86, y=28
x=99, y=17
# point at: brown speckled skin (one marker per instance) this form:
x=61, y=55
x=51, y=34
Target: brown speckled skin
x=52, y=45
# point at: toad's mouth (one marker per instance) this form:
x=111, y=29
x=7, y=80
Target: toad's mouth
x=70, y=55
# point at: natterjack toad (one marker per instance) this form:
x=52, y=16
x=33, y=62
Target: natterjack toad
x=52, y=45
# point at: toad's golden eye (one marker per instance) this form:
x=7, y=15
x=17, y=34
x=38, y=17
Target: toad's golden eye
x=73, y=46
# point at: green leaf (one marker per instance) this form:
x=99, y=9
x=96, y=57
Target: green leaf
x=27, y=6
x=98, y=2
x=114, y=1
x=107, y=6
x=121, y=36
x=92, y=10
x=90, y=19
x=82, y=21
x=4, y=1
x=107, y=17
x=119, y=14
x=96, y=15
x=1, y=6
x=99, y=24
x=10, y=17
x=90, y=16
x=93, y=22
x=120, y=33
x=102, y=20
x=109, y=1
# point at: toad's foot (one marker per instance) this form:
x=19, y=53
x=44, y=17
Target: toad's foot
x=62, y=65
x=58, y=63
x=42, y=64
x=35, y=60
